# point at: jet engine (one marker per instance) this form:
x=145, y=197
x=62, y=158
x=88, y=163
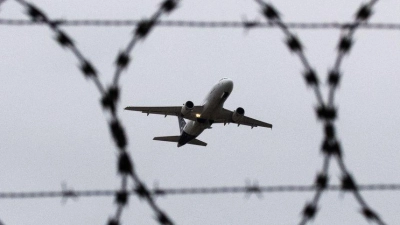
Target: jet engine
x=238, y=114
x=187, y=108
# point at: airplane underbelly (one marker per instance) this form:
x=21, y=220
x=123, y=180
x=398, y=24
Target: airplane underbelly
x=211, y=107
x=194, y=128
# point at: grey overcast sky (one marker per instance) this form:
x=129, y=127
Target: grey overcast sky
x=53, y=128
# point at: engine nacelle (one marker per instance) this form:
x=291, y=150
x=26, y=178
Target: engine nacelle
x=187, y=108
x=238, y=114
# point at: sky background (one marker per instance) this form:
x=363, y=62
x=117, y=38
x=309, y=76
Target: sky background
x=53, y=129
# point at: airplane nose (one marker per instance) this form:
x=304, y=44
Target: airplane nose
x=229, y=84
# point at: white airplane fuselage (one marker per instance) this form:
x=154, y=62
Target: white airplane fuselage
x=212, y=105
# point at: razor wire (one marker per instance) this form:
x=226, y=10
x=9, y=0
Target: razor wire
x=109, y=101
x=326, y=112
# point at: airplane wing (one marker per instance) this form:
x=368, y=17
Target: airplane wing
x=226, y=117
x=167, y=110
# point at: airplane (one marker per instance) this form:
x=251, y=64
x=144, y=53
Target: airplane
x=201, y=117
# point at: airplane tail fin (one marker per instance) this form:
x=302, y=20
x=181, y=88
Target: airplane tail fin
x=182, y=123
x=176, y=139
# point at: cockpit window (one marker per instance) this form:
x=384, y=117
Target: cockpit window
x=223, y=79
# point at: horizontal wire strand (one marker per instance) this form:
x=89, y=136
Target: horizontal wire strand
x=195, y=191
x=202, y=24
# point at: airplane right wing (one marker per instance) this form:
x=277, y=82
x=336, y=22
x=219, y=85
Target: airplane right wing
x=226, y=117
x=167, y=110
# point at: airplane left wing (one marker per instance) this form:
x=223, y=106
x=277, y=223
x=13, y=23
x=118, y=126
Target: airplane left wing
x=226, y=117
x=167, y=110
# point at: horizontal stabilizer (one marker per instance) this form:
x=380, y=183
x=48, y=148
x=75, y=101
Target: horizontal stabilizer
x=197, y=142
x=168, y=138
x=176, y=139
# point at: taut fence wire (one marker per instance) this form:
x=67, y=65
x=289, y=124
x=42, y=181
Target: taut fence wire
x=250, y=189
x=201, y=24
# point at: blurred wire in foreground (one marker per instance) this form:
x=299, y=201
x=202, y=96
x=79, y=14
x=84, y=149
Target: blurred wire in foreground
x=252, y=189
x=2, y=1
x=326, y=111
x=109, y=101
x=202, y=24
